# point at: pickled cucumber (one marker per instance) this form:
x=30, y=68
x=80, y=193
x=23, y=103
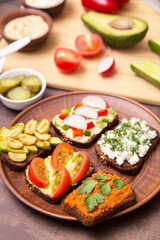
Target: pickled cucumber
x=19, y=93
x=31, y=83
x=20, y=77
x=7, y=84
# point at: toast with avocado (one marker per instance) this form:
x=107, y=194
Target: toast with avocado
x=99, y=198
x=126, y=147
x=84, y=123
x=22, y=142
x=53, y=177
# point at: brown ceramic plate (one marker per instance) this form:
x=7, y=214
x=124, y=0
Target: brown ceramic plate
x=146, y=183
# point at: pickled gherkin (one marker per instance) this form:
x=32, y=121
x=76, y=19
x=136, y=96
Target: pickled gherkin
x=7, y=84
x=32, y=83
x=19, y=93
x=20, y=77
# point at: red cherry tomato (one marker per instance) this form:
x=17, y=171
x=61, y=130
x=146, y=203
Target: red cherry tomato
x=62, y=181
x=61, y=154
x=38, y=173
x=90, y=125
x=121, y=2
x=81, y=167
x=67, y=60
x=104, y=6
x=102, y=112
x=89, y=45
x=63, y=115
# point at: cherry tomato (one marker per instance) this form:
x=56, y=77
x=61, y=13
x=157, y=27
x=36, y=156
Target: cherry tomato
x=67, y=60
x=62, y=181
x=104, y=6
x=38, y=173
x=89, y=45
x=90, y=125
x=78, y=105
x=102, y=112
x=81, y=167
x=61, y=154
x=121, y=2
x=77, y=133
x=63, y=115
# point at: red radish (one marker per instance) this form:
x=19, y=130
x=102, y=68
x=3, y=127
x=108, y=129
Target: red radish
x=87, y=112
x=94, y=101
x=106, y=66
x=76, y=121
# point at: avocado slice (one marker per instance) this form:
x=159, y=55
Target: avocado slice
x=3, y=133
x=43, y=126
x=32, y=148
x=154, y=43
x=17, y=157
x=55, y=141
x=116, y=30
x=31, y=126
x=43, y=144
x=20, y=126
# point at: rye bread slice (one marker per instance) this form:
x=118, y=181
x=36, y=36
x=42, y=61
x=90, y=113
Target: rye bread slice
x=126, y=167
x=57, y=200
x=92, y=140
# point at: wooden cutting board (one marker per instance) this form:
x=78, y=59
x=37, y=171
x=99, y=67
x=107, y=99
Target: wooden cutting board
x=123, y=81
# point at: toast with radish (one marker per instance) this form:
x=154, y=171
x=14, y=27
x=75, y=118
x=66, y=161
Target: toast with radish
x=56, y=175
x=84, y=123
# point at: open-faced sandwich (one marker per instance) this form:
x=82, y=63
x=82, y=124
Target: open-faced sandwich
x=52, y=177
x=22, y=142
x=99, y=198
x=84, y=123
x=126, y=147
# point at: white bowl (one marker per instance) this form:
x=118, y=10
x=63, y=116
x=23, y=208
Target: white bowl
x=21, y=104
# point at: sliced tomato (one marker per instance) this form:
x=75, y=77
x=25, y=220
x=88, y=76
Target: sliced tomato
x=102, y=112
x=81, y=167
x=77, y=132
x=63, y=115
x=38, y=173
x=89, y=45
x=61, y=154
x=62, y=181
x=67, y=60
x=90, y=125
x=78, y=105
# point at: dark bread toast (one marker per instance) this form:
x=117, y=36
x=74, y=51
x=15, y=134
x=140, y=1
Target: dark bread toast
x=89, y=221
x=126, y=167
x=56, y=200
x=92, y=140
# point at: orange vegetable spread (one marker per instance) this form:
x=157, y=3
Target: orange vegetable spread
x=115, y=197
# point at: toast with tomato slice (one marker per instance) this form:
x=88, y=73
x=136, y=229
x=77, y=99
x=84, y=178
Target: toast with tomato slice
x=57, y=175
x=84, y=123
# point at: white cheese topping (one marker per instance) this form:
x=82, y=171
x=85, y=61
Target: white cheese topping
x=130, y=140
x=43, y=3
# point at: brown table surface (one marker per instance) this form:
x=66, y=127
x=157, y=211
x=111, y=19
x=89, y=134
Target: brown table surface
x=18, y=221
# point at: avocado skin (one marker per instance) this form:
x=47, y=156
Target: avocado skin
x=154, y=46
x=119, y=41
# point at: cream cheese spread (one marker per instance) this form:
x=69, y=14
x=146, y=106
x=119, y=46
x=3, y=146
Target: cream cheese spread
x=43, y=3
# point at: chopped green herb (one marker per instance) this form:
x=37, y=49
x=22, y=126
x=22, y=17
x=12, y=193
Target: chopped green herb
x=66, y=110
x=57, y=171
x=118, y=183
x=65, y=127
x=111, y=110
x=99, y=123
x=93, y=200
x=102, y=178
x=87, y=133
x=88, y=186
x=105, y=188
x=106, y=120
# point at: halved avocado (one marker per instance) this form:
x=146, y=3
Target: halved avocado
x=116, y=30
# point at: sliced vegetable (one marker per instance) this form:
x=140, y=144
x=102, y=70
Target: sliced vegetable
x=94, y=101
x=17, y=157
x=66, y=110
x=104, y=6
x=78, y=105
x=76, y=121
x=148, y=70
x=106, y=66
x=42, y=136
x=67, y=60
x=62, y=181
x=8, y=83
x=19, y=93
x=65, y=127
x=27, y=139
x=87, y=133
x=102, y=112
x=90, y=125
x=38, y=173
x=32, y=83
x=89, y=45
x=154, y=43
x=63, y=115
x=87, y=112
x=77, y=133
x=31, y=126
x=13, y=143
x=43, y=126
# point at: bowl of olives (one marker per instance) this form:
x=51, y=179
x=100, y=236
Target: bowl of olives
x=21, y=87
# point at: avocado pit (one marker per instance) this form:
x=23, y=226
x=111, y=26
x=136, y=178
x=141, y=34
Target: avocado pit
x=122, y=23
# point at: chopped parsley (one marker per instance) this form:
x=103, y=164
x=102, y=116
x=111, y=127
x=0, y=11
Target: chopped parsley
x=93, y=200
x=88, y=186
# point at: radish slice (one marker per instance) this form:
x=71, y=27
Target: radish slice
x=106, y=66
x=76, y=121
x=87, y=112
x=94, y=101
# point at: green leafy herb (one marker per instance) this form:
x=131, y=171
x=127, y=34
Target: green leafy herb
x=118, y=183
x=66, y=110
x=93, y=200
x=105, y=188
x=102, y=178
x=111, y=110
x=88, y=186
